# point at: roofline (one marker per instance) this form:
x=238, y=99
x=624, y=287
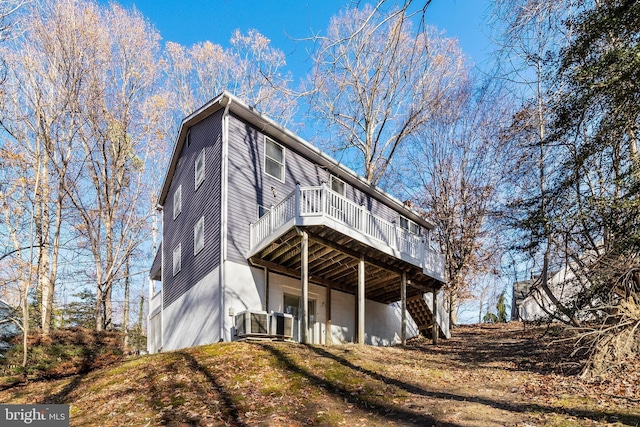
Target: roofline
x=291, y=140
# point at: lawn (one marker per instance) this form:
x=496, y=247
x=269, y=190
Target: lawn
x=498, y=375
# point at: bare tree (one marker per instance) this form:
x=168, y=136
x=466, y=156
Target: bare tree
x=375, y=82
x=8, y=9
x=37, y=112
x=82, y=105
x=251, y=68
x=116, y=140
x=533, y=32
x=18, y=190
x=453, y=172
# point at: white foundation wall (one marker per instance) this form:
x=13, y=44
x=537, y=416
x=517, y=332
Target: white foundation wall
x=154, y=336
x=383, y=322
x=243, y=290
x=194, y=318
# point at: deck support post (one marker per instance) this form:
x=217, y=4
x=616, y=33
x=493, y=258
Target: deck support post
x=403, y=305
x=327, y=338
x=304, y=278
x=361, y=300
x=434, y=317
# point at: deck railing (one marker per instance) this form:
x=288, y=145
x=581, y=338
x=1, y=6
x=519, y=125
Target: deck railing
x=322, y=201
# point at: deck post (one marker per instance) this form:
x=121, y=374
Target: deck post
x=361, y=300
x=304, y=278
x=272, y=220
x=327, y=338
x=324, y=203
x=403, y=304
x=298, y=206
x=434, y=317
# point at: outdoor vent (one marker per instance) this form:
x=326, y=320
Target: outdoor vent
x=281, y=325
x=252, y=323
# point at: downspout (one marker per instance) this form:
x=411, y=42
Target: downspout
x=162, y=280
x=223, y=217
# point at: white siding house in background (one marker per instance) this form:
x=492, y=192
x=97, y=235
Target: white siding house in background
x=263, y=234
x=531, y=303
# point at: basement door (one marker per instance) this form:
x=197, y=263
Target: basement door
x=293, y=305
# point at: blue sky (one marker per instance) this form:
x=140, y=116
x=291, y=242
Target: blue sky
x=286, y=23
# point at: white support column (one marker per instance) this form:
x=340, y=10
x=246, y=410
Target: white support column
x=361, y=301
x=434, y=317
x=403, y=304
x=328, y=340
x=304, y=278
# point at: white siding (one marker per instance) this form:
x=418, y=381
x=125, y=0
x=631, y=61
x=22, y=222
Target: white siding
x=194, y=318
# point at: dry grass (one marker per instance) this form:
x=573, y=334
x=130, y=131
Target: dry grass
x=484, y=376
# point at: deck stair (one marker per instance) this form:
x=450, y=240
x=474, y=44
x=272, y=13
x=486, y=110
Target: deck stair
x=420, y=308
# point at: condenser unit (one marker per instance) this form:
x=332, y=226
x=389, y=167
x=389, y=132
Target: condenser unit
x=281, y=325
x=252, y=323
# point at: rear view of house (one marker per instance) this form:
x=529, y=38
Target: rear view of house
x=264, y=235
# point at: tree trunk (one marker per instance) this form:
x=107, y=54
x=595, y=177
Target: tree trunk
x=125, y=320
x=25, y=323
x=139, y=326
x=99, y=309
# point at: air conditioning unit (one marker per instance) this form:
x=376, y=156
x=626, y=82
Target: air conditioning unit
x=281, y=325
x=252, y=323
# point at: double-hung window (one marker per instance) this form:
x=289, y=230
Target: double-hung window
x=338, y=186
x=177, y=259
x=177, y=202
x=273, y=159
x=199, y=168
x=198, y=236
x=409, y=225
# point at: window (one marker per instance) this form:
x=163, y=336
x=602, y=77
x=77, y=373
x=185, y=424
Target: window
x=198, y=236
x=177, y=202
x=177, y=259
x=199, y=169
x=262, y=211
x=274, y=159
x=338, y=186
x=188, y=138
x=407, y=224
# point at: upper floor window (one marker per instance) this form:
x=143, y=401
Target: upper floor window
x=198, y=236
x=274, y=159
x=407, y=224
x=262, y=211
x=188, y=138
x=177, y=202
x=177, y=259
x=338, y=185
x=199, y=167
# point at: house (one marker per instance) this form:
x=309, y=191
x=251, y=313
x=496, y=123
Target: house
x=261, y=229
x=530, y=301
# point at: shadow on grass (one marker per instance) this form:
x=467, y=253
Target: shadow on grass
x=376, y=406
x=522, y=349
x=230, y=410
x=164, y=399
x=626, y=419
x=85, y=368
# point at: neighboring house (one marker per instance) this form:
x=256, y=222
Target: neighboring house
x=520, y=293
x=531, y=303
x=256, y=220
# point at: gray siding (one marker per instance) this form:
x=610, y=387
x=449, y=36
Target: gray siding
x=249, y=186
x=205, y=201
